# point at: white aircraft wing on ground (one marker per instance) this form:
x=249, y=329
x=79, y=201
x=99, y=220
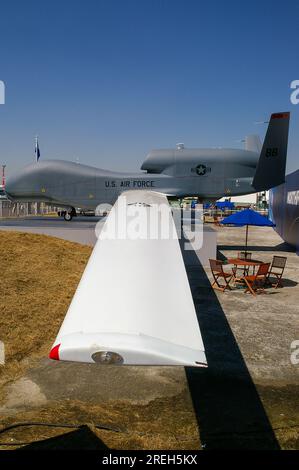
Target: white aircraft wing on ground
x=133, y=304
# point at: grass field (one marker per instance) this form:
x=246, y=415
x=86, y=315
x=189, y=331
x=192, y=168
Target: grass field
x=39, y=275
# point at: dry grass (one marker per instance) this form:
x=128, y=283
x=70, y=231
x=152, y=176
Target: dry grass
x=162, y=424
x=38, y=279
x=39, y=275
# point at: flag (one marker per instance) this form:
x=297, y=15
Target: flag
x=36, y=151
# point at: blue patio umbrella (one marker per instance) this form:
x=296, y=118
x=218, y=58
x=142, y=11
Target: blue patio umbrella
x=247, y=217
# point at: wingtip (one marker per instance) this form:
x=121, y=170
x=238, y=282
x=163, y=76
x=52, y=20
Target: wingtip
x=54, y=353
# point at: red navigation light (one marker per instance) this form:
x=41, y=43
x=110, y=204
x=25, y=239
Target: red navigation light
x=54, y=353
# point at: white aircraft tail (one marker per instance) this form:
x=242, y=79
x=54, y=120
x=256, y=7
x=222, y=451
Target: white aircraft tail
x=253, y=143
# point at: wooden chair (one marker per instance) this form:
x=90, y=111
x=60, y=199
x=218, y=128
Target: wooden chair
x=276, y=270
x=217, y=221
x=244, y=255
x=218, y=273
x=238, y=273
x=257, y=281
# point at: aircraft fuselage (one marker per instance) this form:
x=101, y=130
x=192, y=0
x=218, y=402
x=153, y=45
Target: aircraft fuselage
x=208, y=174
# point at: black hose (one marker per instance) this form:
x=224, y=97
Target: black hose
x=105, y=427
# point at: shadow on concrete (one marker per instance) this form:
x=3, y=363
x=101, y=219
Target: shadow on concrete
x=285, y=282
x=284, y=247
x=81, y=439
x=228, y=408
x=44, y=221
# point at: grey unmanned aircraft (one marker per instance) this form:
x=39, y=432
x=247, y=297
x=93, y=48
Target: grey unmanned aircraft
x=207, y=174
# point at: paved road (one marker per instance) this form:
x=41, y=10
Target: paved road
x=80, y=229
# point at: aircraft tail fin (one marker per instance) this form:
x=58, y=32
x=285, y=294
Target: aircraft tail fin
x=270, y=170
x=253, y=143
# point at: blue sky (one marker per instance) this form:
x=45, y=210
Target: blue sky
x=106, y=81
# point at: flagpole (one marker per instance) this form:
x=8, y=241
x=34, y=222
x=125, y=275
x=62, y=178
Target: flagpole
x=37, y=155
x=36, y=147
x=246, y=241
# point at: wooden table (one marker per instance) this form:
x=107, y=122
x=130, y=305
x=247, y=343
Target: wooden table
x=244, y=262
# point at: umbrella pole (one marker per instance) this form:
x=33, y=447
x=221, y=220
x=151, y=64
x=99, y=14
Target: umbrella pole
x=246, y=241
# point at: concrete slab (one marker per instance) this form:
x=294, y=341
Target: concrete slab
x=49, y=381
x=79, y=230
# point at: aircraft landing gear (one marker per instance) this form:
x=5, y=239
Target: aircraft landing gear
x=68, y=215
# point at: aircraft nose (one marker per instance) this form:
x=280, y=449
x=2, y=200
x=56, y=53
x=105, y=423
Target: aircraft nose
x=19, y=186
x=24, y=185
x=12, y=185
x=9, y=186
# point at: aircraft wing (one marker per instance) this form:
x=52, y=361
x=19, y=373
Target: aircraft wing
x=133, y=304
